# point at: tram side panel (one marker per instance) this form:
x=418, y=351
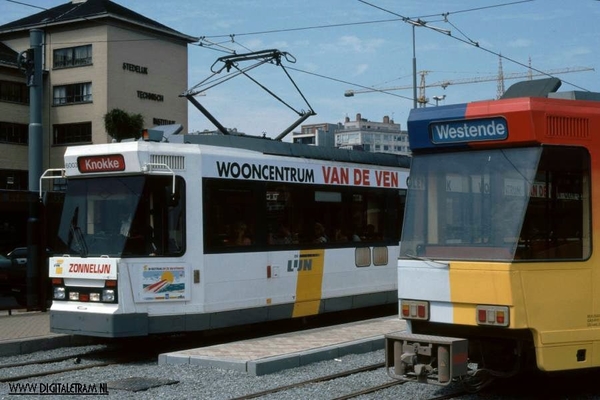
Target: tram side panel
x=208, y=281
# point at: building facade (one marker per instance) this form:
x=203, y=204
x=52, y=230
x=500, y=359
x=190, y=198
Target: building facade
x=14, y=122
x=360, y=134
x=378, y=137
x=97, y=56
x=322, y=134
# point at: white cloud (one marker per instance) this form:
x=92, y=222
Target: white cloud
x=252, y=44
x=310, y=66
x=361, y=69
x=578, y=51
x=354, y=44
x=520, y=43
x=360, y=45
x=282, y=44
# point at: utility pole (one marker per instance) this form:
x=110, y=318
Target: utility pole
x=414, y=68
x=33, y=70
x=414, y=24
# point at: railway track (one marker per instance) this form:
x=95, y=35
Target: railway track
x=344, y=374
x=66, y=363
x=312, y=381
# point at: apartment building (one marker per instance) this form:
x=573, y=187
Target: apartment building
x=97, y=56
x=360, y=134
x=379, y=137
x=322, y=134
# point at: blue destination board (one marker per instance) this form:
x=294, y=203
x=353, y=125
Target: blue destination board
x=468, y=130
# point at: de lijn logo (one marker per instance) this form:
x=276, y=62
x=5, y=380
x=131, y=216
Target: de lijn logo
x=468, y=130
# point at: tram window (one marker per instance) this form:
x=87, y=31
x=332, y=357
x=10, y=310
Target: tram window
x=157, y=226
x=502, y=204
x=556, y=223
x=230, y=209
x=282, y=215
x=347, y=215
x=129, y=216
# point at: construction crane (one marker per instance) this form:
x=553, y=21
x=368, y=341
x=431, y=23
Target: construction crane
x=422, y=99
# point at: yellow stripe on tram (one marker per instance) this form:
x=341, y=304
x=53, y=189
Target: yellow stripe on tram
x=310, y=280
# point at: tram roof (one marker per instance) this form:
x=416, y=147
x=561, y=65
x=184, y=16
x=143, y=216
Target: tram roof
x=274, y=147
x=488, y=122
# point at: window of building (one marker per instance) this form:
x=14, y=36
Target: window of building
x=16, y=92
x=14, y=179
x=73, y=56
x=72, y=133
x=305, y=140
x=13, y=133
x=72, y=94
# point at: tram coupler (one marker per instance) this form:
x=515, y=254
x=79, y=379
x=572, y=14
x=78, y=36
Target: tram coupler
x=425, y=358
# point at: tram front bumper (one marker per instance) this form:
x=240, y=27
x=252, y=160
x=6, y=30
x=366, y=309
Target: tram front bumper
x=425, y=358
x=99, y=325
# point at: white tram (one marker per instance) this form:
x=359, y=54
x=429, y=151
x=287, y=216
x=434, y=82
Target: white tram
x=208, y=232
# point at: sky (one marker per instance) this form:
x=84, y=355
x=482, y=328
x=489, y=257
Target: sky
x=332, y=46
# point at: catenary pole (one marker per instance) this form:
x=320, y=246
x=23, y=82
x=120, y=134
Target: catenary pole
x=34, y=81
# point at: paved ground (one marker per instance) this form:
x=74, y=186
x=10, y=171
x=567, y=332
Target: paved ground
x=24, y=331
x=275, y=353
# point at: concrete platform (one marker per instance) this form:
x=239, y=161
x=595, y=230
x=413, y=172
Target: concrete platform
x=23, y=332
x=279, y=352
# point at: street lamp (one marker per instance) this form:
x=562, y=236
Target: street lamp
x=414, y=24
x=414, y=65
x=439, y=98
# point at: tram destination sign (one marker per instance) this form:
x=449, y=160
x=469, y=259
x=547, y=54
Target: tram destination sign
x=104, y=163
x=471, y=130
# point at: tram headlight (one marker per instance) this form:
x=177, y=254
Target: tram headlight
x=108, y=295
x=94, y=296
x=59, y=293
x=74, y=296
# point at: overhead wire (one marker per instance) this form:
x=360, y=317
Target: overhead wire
x=477, y=8
x=443, y=18
x=26, y=4
x=350, y=83
x=91, y=20
x=305, y=28
x=468, y=41
x=205, y=42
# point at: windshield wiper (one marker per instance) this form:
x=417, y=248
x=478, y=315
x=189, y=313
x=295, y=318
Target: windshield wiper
x=75, y=233
x=428, y=261
x=79, y=240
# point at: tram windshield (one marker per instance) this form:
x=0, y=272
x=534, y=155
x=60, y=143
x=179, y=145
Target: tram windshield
x=500, y=204
x=132, y=216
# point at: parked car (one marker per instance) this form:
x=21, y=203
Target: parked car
x=13, y=278
x=5, y=262
x=19, y=255
x=13, y=274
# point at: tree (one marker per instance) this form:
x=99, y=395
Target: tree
x=121, y=125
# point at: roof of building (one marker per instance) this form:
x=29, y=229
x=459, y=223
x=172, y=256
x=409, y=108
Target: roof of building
x=8, y=56
x=86, y=10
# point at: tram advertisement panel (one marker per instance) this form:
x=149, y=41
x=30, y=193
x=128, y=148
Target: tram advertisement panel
x=160, y=282
x=251, y=169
